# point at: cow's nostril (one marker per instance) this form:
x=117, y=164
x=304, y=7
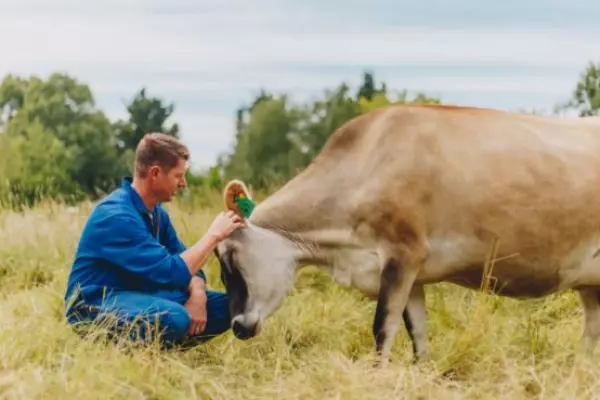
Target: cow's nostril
x=243, y=332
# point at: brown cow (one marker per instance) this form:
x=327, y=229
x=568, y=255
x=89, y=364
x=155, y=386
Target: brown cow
x=411, y=195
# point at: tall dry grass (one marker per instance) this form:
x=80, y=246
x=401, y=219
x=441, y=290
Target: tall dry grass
x=317, y=346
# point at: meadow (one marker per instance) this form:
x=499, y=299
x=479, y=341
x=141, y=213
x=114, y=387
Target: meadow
x=318, y=345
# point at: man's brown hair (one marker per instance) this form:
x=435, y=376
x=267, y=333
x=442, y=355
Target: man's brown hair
x=158, y=149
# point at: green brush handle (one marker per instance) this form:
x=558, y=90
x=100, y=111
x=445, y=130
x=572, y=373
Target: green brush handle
x=245, y=205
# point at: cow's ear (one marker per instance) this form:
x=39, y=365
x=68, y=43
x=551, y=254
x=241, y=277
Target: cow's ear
x=238, y=198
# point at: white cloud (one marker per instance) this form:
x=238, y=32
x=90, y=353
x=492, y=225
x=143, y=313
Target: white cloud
x=313, y=82
x=96, y=36
x=94, y=44
x=188, y=50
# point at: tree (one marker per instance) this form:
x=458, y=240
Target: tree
x=324, y=117
x=275, y=139
x=146, y=114
x=262, y=148
x=12, y=97
x=242, y=113
x=37, y=165
x=382, y=100
x=586, y=94
x=367, y=90
x=57, y=116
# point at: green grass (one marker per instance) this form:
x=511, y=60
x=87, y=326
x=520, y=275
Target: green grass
x=318, y=345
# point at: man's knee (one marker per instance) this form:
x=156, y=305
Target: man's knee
x=174, y=324
x=177, y=321
x=168, y=325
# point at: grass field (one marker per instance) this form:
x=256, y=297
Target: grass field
x=317, y=346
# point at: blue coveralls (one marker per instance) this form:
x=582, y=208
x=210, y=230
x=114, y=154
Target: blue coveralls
x=127, y=265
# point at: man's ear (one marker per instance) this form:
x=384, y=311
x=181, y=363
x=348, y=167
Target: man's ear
x=233, y=190
x=153, y=171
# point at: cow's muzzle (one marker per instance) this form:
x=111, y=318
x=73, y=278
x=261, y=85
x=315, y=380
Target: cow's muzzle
x=245, y=328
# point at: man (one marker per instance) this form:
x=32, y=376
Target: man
x=131, y=266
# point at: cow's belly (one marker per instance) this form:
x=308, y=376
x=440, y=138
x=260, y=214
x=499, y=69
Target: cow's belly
x=461, y=261
x=520, y=285
x=516, y=273
x=509, y=279
x=520, y=280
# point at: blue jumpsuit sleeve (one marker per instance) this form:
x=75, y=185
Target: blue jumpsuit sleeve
x=124, y=241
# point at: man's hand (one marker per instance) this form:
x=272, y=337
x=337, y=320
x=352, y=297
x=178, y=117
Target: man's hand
x=224, y=225
x=196, y=307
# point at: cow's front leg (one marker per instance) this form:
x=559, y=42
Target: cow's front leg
x=394, y=308
x=590, y=298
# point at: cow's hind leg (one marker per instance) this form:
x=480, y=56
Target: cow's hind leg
x=590, y=299
x=415, y=321
x=400, y=302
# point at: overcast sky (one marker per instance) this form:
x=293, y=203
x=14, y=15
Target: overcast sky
x=209, y=57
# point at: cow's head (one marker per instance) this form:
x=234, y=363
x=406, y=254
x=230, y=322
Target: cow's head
x=257, y=269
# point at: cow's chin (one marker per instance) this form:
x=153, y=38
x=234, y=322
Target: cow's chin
x=246, y=326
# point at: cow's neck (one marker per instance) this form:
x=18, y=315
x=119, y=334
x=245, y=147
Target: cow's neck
x=321, y=236
x=311, y=211
x=334, y=251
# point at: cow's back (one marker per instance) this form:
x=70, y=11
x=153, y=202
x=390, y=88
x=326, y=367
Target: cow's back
x=459, y=169
x=501, y=170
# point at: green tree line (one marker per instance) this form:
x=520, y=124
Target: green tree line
x=56, y=143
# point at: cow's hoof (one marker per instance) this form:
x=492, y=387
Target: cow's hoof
x=380, y=361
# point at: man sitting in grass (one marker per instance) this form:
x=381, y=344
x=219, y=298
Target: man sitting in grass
x=130, y=265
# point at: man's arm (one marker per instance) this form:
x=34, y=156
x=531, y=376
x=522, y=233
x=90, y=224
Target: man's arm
x=222, y=226
x=195, y=257
x=173, y=243
x=125, y=241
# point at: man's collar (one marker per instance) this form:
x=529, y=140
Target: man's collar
x=135, y=196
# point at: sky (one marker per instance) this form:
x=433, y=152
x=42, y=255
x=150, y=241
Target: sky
x=211, y=57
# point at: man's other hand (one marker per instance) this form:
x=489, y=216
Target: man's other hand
x=224, y=225
x=196, y=307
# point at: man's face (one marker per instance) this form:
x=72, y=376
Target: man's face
x=165, y=184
